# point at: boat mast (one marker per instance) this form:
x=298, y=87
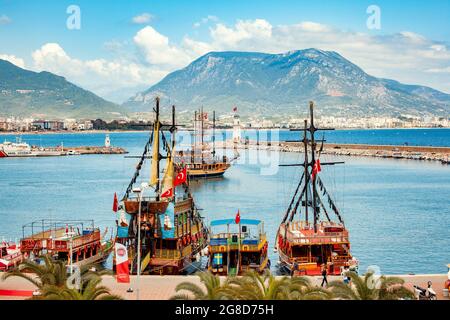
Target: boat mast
x=312, y=130
x=195, y=136
x=159, y=156
x=214, y=134
x=202, y=132
x=173, y=129
x=305, y=144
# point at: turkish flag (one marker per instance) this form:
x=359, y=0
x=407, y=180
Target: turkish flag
x=167, y=194
x=234, y=109
x=237, y=220
x=181, y=177
x=122, y=269
x=115, y=203
x=316, y=168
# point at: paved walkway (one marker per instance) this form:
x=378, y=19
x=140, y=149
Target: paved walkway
x=163, y=287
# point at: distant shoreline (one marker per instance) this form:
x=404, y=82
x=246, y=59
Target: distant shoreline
x=12, y=133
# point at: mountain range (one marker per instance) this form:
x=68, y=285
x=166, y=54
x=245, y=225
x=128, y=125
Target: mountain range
x=26, y=93
x=259, y=84
x=282, y=84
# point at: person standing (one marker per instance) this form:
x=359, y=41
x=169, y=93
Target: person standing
x=324, y=275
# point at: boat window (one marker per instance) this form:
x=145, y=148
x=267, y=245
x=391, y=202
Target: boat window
x=249, y=258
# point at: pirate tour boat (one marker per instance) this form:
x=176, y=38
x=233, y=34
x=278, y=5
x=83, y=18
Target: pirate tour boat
x=200, y=160
x=236, y=246
x=309, y=244
x=10, y=256
x=162, y=232
x=78, y=242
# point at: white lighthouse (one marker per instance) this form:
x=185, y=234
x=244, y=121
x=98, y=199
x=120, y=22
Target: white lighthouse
x=107, y=141
x=236, y=127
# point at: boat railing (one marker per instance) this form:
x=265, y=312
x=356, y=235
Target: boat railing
x=167, y=254
x=224, y=241
x=331, y=237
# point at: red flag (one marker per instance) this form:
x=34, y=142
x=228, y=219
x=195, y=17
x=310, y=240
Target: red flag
x=237, y=220
x=316, y=169
x=168, y=193
x=235, y=109
x=115, y=203
x=181, y=177
x=122, y=269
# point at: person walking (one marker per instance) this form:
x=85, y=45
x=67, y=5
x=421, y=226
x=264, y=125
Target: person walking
x=324, y=275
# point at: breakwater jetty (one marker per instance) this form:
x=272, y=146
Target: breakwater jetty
x=420, y=153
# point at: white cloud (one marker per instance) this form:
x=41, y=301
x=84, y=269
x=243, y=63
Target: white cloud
x=5, y=20
x=205, y=20
x=257, y=30
x=116, y=80
x=156, y=49
x=439, y=70
x=13, y=59
x=143, y=18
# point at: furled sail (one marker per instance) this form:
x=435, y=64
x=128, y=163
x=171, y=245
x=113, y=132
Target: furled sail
x=167, y=182
x=155, y=156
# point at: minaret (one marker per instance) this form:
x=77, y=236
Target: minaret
x=236, y=127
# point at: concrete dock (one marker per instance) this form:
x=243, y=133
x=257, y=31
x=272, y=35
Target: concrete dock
x=163, y=287
x=84, y=150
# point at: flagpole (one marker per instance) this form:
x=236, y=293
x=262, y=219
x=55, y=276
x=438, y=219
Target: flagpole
x=239, y=248
x=228, y=249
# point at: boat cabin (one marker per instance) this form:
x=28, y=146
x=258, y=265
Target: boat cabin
x=10, y=256
x=237, y=248
x=74, y=241
x=308, y=252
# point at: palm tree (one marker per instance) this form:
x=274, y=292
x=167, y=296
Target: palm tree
x=50, y=273
x=212, y=284
x=51, y=277
x=385, y=288
x=90, y=291
x=253, y=286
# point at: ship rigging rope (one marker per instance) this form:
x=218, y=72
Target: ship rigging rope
x=294, y=211
x=330, y=200
x=293, y=199
x=138, y=168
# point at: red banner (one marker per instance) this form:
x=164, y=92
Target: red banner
x=122, y=269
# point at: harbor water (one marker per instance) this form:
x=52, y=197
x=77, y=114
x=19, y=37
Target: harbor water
x=397, y=211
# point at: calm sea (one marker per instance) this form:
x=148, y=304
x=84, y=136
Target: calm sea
x=397, y=211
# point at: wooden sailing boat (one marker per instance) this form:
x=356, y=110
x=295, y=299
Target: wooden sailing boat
x=237, y=246
x=200, y=160
x=172, y=233
x=308, y=247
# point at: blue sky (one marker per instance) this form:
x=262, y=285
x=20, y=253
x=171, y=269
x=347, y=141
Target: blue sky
x=115, y=57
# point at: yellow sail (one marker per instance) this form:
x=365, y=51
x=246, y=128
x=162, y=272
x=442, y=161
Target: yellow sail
x=155, y=155
x=167, y=182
